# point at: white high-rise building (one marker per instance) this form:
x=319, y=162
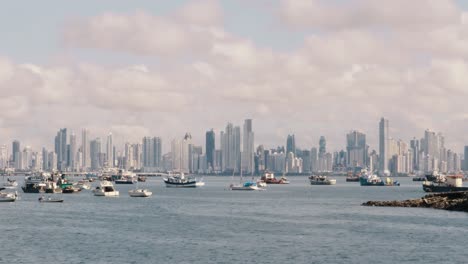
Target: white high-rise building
x=3, y=156
x=180, y=154
x=110, y=151
x=86, y=161
x=248, y=148
x=230, y=148
x=383, y=146
x=72, y=155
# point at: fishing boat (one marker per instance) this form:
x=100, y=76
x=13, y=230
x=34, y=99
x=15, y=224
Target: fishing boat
x=321, y=180
x=35, y=183
x=8, y=197
x=180, y=181
x=450, y=183
x=124, y=177
x=140, y=193
x=352, y=177
x=269, y=178
x=49, y=199
x=105, y=188
x=374, y=180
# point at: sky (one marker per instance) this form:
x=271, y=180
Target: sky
x=303, y=67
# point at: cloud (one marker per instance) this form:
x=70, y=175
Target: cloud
x=359, y=14
x=186, y=32
x=359, y=61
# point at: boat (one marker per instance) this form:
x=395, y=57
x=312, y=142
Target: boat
x=8, y=197
x=180, y=181
x=124, y=177
x=419, y=178
x=83, y=185
x=261, y=183
x=71, y=189
x=10, y=184
x=35, y=183
x=450, y=183
x=374, y=180
x=49, y=199
x=141, y=178
x=246, y=186
x=269, y=178
x=105, y=188
x=139, y=193
x=321, y=180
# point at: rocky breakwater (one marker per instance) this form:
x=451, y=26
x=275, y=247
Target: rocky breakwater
x=453, y=201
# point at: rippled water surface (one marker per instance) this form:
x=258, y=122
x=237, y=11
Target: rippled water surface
x=296, y=223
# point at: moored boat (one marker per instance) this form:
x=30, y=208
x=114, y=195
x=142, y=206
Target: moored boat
x=49, y=199
x=10, y=184
x=8, y=197
x=140, y=193
x=374, y=180
x=247, y=186
x=105, y=188
x=269, y=178
x=321, y=180
x=180, y=181
x=450, y=183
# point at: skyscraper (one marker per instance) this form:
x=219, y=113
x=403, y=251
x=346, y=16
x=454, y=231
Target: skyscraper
x=466, y=158
x=86, y=161
x=414, y=144
x=230, y=148
x=322, y=146
x=72, y=156
x=61, y=149
x=291, y=144
x=110, y=151
x=16, y=148
x=248, y=148
x=152, y=152
x=95, y=152
x=210, y=148
x=356, y=149
x=383, y=145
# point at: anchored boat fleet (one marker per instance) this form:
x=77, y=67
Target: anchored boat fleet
x=56, y=183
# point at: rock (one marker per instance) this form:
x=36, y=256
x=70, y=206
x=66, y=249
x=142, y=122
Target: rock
x=453, y=201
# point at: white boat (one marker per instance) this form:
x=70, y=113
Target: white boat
x=140, y=193
x=8, y=197
x=105, y=188
x=83, y=185
x=262, y=184
x=321, y=180
x=10, y=184
x=247, y=186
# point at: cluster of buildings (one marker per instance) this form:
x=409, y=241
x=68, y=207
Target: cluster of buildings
x=235, y=152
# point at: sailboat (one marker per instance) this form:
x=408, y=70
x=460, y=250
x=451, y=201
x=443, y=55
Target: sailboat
x=246, y=186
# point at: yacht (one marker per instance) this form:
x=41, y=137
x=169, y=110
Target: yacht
x=8, y=197
x=140, y=193
x=321, y=180
x=105, y=188
x=35, y=183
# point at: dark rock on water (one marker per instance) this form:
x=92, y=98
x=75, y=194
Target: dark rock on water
x=453, y=201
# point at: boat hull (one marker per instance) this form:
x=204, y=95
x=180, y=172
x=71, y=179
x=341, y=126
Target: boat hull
x=435, y=188
x=100, y=193
x=189, y=184
x=140, y=194
x=329, y=182
x=7, y=200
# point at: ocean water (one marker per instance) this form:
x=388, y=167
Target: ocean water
x=296, y=223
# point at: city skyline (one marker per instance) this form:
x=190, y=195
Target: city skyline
x=238, y=152
x=285, y=64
